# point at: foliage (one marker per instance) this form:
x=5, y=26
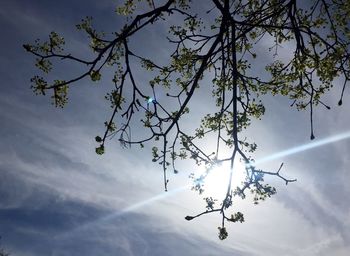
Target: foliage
x=2, y=251
x=220, y=45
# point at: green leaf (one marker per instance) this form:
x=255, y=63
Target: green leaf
x=95, y=75
x=222, y=233
x=100, y=150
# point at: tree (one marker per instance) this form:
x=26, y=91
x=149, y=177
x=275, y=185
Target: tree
x=220, y=45
x=2, y=251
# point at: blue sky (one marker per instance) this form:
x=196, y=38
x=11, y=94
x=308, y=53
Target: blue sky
x=57, y=197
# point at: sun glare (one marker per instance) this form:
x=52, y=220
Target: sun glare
x=215, y=184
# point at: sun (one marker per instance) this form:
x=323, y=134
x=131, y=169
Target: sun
x=216, y=182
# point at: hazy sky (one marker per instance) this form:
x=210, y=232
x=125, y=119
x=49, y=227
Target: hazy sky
x=57, y=197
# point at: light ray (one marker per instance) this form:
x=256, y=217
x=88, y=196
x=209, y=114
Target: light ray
x=124, y=211
x=163, y=195
x=304, y=147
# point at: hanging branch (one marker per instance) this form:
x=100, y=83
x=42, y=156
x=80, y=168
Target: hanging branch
x=224, y=52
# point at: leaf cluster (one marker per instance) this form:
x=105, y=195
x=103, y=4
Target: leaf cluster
x=223, y=57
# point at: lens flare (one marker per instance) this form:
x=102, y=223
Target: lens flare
x=124, y=211
x=304, y=147
x=215, y=179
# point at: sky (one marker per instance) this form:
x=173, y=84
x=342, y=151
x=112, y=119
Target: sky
x=57, y=197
